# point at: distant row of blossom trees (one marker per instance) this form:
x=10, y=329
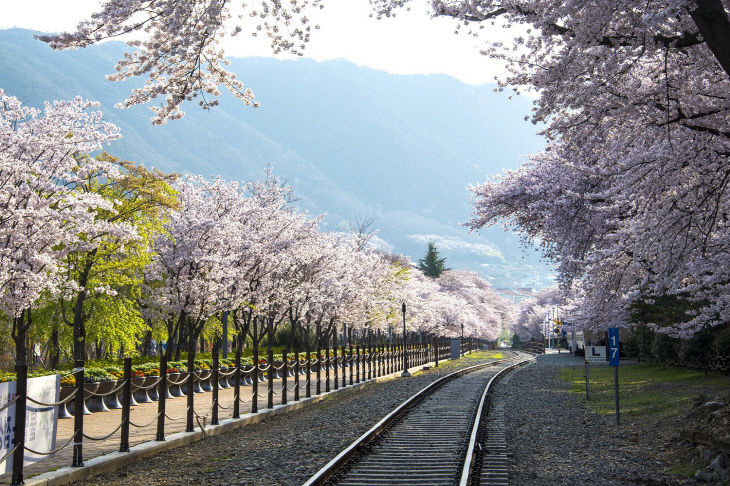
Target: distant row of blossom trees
x=96, y=253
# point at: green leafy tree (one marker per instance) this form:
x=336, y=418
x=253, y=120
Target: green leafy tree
x=105, y=276
x=432, y=265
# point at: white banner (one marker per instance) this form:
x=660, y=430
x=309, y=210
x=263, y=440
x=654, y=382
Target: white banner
x=40, y=421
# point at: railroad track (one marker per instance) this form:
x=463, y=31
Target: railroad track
x=442, y=435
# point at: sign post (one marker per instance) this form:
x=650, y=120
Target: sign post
x=594, y=354
x=613, y=349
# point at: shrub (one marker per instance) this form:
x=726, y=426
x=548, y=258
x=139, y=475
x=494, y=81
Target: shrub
x=91, y=375
x=516, y=341
x=6, y=376
x=721, y=345
x=639, y=343
x=664, y=348
x=698, y=347
x=115, y=371
x=98, y=374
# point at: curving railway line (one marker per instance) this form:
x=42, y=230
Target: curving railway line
x=443, y=435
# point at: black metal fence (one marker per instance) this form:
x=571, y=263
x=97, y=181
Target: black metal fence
x=336, y=368
x=533, y=346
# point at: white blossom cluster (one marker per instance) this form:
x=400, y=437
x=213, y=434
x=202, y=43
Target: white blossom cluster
x=179, y=49
x=630, y=197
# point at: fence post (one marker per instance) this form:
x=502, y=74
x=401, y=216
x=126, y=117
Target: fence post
x=296, y=374
x=396, y=357
x=334, y=351
x=319, y=369
x=344, y=368
x=126, y=401
x=189, y=426
x=405, y=353
x=284, y=372
x=162, y=394
x=370, y=355
x=327, y=364
x=255, y=380
x=161, y=399
x=270, y=376
x=352, y=361
x=379, y=367
x=215, y=377
x=308, y=391
x=21, y=375
x=436, y=351
x=78, y=457
x=381, y=358
x=388, y=359
x=237, y=384
x=357, y=364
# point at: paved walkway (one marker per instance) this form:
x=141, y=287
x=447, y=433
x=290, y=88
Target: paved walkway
x=99, y=424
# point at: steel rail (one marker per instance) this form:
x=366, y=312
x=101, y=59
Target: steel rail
x=322, y=476
x=480, y=417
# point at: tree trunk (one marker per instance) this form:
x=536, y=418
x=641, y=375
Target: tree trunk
x=54, y=353
x=20, y=336
x=79, y=336
x=712, y=21
x=147, y=344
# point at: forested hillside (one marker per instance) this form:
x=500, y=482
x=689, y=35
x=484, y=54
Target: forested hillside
x=353, y=141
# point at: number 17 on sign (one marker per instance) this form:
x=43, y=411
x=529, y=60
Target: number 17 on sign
x=613, y=360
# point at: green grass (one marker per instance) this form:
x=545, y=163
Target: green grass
x=471, y=358
x=645, y=391
x=684, y=470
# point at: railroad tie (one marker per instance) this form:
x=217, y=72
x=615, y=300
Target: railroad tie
x=495, y=461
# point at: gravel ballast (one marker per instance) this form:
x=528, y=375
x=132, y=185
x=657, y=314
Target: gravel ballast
x=555, y=440
x=284, y=450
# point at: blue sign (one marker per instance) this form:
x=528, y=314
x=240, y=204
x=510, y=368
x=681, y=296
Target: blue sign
x=613, y=346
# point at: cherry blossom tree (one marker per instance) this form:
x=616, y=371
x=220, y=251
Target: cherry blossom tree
x=531, y=314
x=630, y=196
x=42, y=217
x=443, y=305
x=491, y=313
x=179, y=52
x=187, y=274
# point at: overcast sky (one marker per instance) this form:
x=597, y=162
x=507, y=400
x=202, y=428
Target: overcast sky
x=411, y=43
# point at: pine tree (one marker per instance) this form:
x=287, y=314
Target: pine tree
x=432, y=265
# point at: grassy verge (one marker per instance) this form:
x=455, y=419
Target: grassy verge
x=471, y=359
x=645, y=392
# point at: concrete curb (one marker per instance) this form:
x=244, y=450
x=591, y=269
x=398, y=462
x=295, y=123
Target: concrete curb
x=116, y=460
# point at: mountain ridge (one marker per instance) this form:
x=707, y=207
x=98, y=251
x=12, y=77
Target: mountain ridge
x=353, y=141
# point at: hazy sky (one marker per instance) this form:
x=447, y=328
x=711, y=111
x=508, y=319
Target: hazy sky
x=411, y=43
